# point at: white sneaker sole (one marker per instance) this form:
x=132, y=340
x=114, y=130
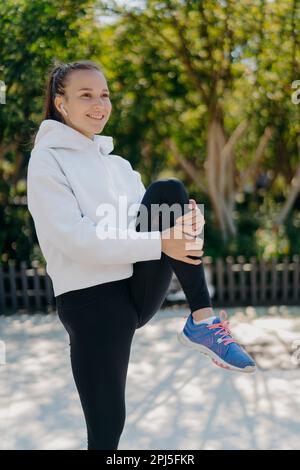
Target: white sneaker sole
x=213, y=356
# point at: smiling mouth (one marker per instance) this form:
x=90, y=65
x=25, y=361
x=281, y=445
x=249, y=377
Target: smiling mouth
x=96, y=117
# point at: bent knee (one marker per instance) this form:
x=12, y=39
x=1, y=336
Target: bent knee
x=170, y=183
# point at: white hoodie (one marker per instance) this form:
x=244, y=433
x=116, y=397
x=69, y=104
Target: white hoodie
x=69, y=176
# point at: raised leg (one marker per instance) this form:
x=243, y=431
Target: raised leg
x=151, y=279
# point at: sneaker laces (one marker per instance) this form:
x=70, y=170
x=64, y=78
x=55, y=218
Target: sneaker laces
x=223, y=328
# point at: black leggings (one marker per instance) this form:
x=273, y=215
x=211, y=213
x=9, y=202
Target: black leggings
x=101, y=321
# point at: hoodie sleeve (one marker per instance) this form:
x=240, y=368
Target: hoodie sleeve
x=141, y=187
x=57, y=215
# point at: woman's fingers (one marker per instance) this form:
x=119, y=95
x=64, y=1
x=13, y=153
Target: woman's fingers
x=197, y=244
x=191, y=261
x=189, y=215
x=193, y=216
x=189, y=232
x=194, y=253
x=193, y=230
x=188, y=236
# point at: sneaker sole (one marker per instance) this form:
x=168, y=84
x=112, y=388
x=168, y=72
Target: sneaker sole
x=213, y=356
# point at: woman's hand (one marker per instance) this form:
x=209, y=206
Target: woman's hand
x=179, y=241
x=193, y=221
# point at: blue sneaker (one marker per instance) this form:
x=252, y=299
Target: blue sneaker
x=215, y=341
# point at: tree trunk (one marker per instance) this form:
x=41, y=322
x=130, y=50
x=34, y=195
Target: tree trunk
x=220, y=178
x=294, y=191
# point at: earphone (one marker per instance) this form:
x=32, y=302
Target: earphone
x=63, y=110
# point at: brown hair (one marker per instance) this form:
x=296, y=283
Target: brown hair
x=56, y=84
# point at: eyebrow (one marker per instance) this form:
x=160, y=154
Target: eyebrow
x=91, y=89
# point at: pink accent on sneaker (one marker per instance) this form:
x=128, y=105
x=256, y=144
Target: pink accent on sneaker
x=224, y=328
x=220, y=364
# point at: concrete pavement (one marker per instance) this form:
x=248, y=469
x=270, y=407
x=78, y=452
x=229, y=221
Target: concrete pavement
x=176, y=398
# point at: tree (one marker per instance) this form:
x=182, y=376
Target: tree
x=218, y=52
x=32, y=36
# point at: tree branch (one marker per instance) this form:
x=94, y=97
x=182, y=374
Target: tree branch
x=189, y=167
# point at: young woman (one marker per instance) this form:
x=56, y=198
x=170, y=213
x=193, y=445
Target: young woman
x=110, y=279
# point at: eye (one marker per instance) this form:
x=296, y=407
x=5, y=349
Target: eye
x=89, y=94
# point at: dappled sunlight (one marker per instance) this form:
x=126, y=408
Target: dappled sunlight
x=40, y=399
x=206, y=407
x=175, y=397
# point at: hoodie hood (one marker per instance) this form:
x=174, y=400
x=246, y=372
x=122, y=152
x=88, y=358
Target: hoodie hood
x=56, y=135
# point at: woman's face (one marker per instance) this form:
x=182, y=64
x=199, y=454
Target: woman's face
x=85, y=101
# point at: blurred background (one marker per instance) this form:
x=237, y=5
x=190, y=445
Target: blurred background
x=205, y=91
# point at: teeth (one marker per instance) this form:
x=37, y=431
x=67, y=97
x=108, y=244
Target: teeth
x=96, y=116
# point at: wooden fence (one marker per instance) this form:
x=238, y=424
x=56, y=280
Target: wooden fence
x=236, y=282
x=243, y=282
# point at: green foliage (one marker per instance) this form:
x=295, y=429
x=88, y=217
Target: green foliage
x=32, y=36
x=240, y=56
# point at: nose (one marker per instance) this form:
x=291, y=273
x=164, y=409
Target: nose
x=98, y=101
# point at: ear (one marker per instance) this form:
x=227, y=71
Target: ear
x=57, y=103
